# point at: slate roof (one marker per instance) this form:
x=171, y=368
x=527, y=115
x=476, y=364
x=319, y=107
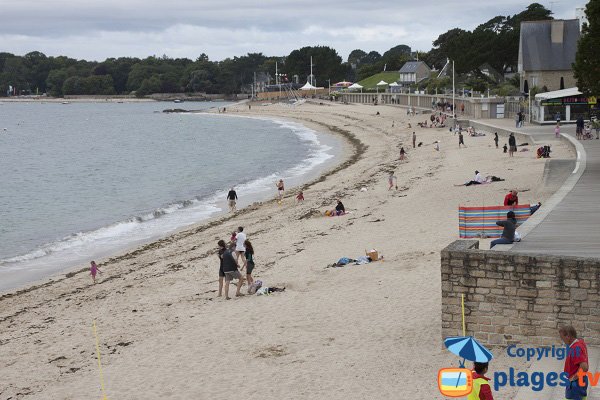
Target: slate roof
x=411, y=66
x=537, y=52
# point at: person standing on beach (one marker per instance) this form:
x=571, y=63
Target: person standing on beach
x=249, y=263
x=402, y=154
x=93, y=270
x=231, y=199
x=230, y=268
x=512, y=144
x=391, y=180
x=496, y=138
x=577, y=359
x=280, y=190
x=220, y=252
x=414, y=137
x=461, y=139
x=240, y=238
x=300, y=197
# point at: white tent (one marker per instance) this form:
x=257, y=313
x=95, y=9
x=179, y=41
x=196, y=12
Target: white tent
x=394, y=84
x=381, y=83
x=355, y=86
x=308, y=86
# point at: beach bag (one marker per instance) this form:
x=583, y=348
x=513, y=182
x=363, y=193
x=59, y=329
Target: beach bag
x=517, y=237
x=373, y=254
x=255, y=286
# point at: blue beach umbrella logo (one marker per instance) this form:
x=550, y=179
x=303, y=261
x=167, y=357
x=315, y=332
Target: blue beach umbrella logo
x=458, y=382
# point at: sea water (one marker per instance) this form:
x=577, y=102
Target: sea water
x=83, y=180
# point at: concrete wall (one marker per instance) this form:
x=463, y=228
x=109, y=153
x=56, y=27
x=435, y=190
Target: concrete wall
x=522, y=299
x=479, y=108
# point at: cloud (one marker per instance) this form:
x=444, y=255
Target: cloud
x=227, y=28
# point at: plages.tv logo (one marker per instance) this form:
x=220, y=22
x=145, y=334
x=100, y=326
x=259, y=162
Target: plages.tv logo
x=459, y=382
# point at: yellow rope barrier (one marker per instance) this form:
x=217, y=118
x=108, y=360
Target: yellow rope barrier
x=99, y=363
x=463, y=314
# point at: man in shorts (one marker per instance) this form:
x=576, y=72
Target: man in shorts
x=231, y=199
x=230, y=268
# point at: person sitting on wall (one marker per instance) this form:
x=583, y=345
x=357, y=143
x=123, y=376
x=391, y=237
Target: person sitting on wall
x=508, y=233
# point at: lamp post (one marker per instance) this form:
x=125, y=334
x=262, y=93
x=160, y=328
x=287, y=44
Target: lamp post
x=329, y=87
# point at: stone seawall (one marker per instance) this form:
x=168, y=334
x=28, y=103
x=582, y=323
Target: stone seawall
x=522, y=298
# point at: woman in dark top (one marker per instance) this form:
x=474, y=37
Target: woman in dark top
x=249, y=262
x=339, y=209
x=508, y=233
x=222, y=248
x=496, y=139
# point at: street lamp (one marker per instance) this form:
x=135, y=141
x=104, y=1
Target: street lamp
x=329, y=87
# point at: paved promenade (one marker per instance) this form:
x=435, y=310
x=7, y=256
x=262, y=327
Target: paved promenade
x=569, y=223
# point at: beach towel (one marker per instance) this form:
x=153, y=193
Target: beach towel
x=474, y=222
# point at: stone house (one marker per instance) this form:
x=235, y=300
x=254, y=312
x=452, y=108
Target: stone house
x=413, y=72
x=546, y=54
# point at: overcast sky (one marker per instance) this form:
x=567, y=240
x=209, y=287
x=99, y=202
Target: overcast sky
x=227, y=28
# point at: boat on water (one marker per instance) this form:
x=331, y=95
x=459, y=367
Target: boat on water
x=177, y=101
x=66, y=102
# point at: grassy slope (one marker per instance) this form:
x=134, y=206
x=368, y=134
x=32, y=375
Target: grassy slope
x=371, y=82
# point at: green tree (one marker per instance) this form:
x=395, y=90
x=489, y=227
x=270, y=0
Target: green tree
x=395, y=57
x=356, y=57
x=587, y=59
x=73, y=86
x=55, y=80
x=148, y=86
x=327, y=64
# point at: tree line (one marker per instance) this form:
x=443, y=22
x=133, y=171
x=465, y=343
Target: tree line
x=494, y=44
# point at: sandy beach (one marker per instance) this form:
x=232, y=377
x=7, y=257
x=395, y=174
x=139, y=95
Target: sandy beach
x=357, y=332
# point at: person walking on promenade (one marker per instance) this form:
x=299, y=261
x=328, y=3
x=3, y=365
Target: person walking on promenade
x=280, y=190
x=94, y=269
x=461, y=139
x=220, y=252
x=576, y=360
x=414, y=138
x=557, y=130
x=231, y=200
x=496, y=138
x=508, y=233
x=512, y=144
x=579, y=127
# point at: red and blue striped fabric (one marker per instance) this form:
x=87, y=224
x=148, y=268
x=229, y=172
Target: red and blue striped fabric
x=477, y=222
